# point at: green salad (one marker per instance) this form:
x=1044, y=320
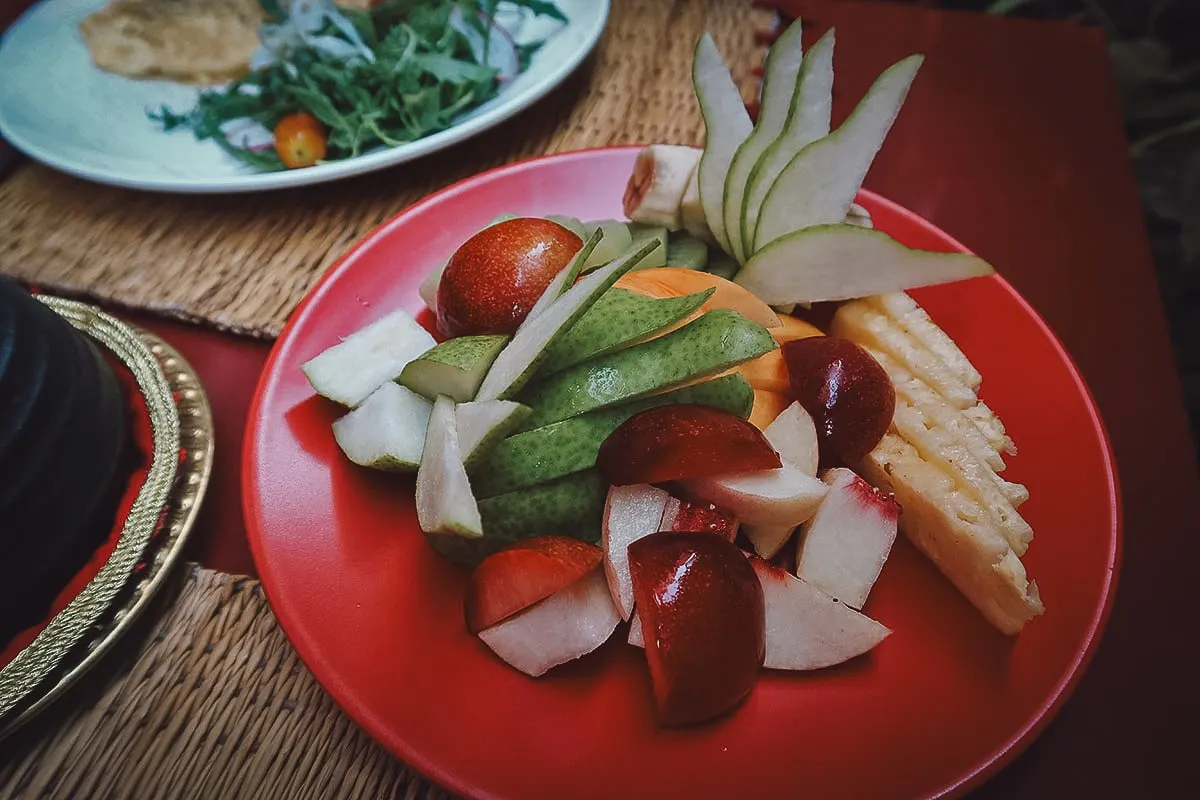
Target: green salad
x=330, y=83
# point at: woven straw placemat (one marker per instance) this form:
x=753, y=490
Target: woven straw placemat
x=205, y=699
x=243, y=262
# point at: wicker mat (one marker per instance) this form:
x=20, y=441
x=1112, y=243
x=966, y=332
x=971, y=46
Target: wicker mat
x=243, y=262
x=205, y=699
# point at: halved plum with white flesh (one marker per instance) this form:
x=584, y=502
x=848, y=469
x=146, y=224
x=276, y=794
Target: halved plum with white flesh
x=660, y=177
x=777, y=497
x=348, y=372
x=630, y=513
x=702, y=613
x=524, y=573
x=680, y=441
x=683, y=515
x=845, y=544
x=807, y=629
x=793, y=434
x=565, y=626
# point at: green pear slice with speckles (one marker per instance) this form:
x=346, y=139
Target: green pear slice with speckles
x=808, y=120
x=571, y=445
x=819, y=185
x=349, y=371
x=454, y=368
x=686, y=251
x=615, y=240
x=387, y=430
x=726, y=126
x=483, y=424
x=841, y=262
x=619, y=318
x=718, y=340
x=778, y=92
x=642, y=232
x=517, y=362
x=446, y=506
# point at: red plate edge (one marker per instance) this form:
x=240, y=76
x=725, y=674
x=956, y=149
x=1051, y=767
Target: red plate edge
x=364, y=716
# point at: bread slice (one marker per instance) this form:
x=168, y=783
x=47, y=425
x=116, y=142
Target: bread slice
x=955, y=532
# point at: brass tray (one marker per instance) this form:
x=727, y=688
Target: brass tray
x=155, y=530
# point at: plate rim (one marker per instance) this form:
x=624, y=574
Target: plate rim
x=1005, y=753
x=340, y=170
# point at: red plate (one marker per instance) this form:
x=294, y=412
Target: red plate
x=378, y=616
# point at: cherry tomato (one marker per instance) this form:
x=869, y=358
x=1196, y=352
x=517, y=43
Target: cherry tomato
x=299, y=140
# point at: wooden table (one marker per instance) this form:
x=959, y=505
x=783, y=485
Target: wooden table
x=1012, y=141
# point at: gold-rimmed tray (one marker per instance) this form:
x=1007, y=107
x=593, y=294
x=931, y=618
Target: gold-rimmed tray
x=155, y=529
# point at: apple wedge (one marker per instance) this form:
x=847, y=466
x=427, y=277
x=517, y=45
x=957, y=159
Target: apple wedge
x=522, y=574
x=793, y=434
x=387, y=431
x=840, y=262
x=774, y=497
x=768, y=540
x=808, y=121
x=630, y=513
x=807, y=629
x=565, y=626
x=445, y=504
x=778, y=92
x=844, y=546
x=726, y=126
x=518, y=360
x=349, y=371
x=818, y=186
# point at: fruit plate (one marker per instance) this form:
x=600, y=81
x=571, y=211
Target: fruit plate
x=60, y=109
x=378, y=616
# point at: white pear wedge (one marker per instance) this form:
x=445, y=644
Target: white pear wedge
x=808, y=121
x=726, y=126
x=818, y=186
x=840, y=262
x=778, y=92
x=387, y=431
x=445, y=503
x=481, y=425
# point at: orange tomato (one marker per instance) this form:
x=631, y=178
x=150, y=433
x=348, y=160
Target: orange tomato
x=299, y=140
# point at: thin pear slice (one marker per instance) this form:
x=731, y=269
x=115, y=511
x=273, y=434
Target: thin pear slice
x=453, y=368
x=818, y=186
x=348, y=372
x=567, y=276
x=517, y=362
x=484, y=424
x=808, y=121
x=445, y=504
x=840, y=262
x=387, y=431
x=726, y=126
x=778, y=93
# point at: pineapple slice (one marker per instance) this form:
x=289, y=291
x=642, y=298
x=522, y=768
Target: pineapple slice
x=916, y=322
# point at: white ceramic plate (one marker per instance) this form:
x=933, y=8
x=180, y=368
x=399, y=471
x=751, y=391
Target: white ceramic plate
x=58, y=108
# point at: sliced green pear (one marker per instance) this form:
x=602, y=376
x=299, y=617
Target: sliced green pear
x=841, y=262
x=808, y=121
x=641, y=233
x=717, y=341
x=726, y=126
x=567, y=276
x=615, y=240
x=349, y=371
x=573, y=224
x=454, y=368
x=619, y=318
x=818, y=186
x=570, y=446
x=484, y=424
x=517, y=362
x=387, y=431
x=686, y=251
x=778, y=90
x=446, y=506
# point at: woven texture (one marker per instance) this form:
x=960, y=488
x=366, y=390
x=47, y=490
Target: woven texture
x=243, y=262
x=214, y=702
